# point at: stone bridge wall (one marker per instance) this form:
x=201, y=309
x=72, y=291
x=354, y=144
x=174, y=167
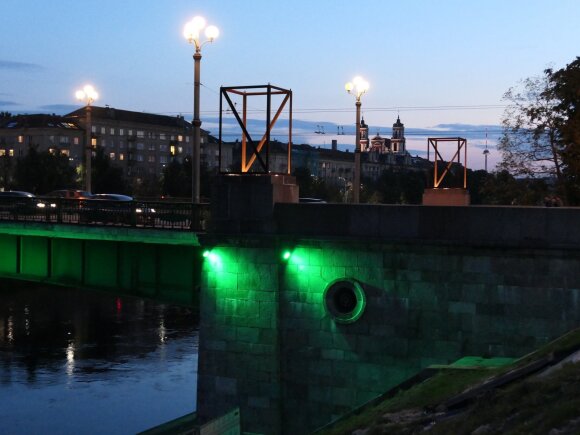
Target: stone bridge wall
x=440, y=283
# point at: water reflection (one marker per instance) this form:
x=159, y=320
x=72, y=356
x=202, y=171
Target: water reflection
x=73, y=361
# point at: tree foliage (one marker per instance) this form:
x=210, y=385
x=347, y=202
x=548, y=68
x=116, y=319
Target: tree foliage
x=542, y=129
x=41, y=172
x=311, y=186
x=107, y=178
x=566, y=89
x=530, y=144
x=176, y=179
x=398, y=187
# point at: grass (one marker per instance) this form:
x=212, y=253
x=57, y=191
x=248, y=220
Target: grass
x=534, y=405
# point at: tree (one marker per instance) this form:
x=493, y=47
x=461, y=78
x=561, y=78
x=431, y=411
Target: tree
x=107, y=178
x=531, y=142
x=41, y=172
x=398, y=187
x=566, y=88
x=502, y=188
x=176, y=179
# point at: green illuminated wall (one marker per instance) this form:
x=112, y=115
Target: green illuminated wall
x=269, y=346
x=240, y=323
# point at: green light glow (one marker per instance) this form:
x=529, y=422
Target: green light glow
x=214, y=259
x=286, y=255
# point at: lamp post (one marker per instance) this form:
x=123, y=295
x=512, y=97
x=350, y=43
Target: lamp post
x=357, y=87
x=192, y=33
x=88, y=95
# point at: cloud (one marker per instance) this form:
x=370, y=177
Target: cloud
x=19, y=66
x=7, y=103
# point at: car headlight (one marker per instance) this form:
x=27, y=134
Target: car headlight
x=152, y=210
x=139, y=210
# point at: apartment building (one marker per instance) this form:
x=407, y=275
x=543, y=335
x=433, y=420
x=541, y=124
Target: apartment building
x=48, y=132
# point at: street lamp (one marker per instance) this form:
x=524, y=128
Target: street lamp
x=357, y=87
x=192, y=33
x=88, y=95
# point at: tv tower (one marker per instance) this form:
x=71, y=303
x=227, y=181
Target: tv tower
x=485, y=151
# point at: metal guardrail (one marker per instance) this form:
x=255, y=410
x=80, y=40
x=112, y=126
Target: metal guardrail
x=97, y=212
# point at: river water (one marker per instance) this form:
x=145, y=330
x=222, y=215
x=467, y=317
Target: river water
x=80, y=362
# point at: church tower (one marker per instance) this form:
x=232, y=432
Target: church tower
x=364, y=136
x=398, y=138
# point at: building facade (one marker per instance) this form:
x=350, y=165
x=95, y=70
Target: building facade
x=142, y=144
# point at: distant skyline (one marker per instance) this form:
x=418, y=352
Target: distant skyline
x=434, y=63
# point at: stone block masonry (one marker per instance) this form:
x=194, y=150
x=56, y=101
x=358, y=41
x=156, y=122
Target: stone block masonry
x=269, y=345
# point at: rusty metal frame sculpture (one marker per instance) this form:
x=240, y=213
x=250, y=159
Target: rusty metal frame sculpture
x=461, y=143
x=256, y=148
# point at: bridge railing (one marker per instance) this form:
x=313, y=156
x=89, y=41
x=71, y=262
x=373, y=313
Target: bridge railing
x=97, y=212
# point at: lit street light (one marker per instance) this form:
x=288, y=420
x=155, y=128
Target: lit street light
x=192, y=33
x=88, y=95
x=357, y=87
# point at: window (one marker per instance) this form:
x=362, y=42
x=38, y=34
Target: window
x=2, y=153
x=104, y=142
x=151, y=147
x=121, y=131
x=93, y=129
x=139, y=157
x=180, y=150
x=11, y=153
x=121, y=156
x=65, y=152
x=121, y=144
x=140, y=146
x=172, y=150
x=163, y=159
x=103, y=130
x=112, y=131
x=94, y=142
x=180, y=138
x=162, y=136
x=76, y=141
x=20, y=139
x=130, y=132
x=112, y=156
x=187, y=139
x=140, y=133
x=162, y=147
x=151, y=159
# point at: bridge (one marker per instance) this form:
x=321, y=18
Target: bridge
x=309, y=310
x=140, y=248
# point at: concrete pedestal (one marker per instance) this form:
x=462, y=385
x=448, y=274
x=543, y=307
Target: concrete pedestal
x=244, y=203
x=457, y=197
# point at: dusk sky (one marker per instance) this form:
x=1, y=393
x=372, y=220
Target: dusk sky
x=420, y=57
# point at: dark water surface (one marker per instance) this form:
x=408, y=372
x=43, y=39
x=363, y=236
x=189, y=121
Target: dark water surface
x=80, y=362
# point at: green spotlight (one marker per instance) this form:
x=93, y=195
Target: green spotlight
x=206, y=254
x=286, y=255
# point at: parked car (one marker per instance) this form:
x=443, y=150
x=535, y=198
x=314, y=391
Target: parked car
x=17, y=201
x=115, y=208
x=311, y=200
x=69, y=194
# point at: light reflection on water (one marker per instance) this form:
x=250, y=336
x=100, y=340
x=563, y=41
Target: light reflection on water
x=80, y=362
